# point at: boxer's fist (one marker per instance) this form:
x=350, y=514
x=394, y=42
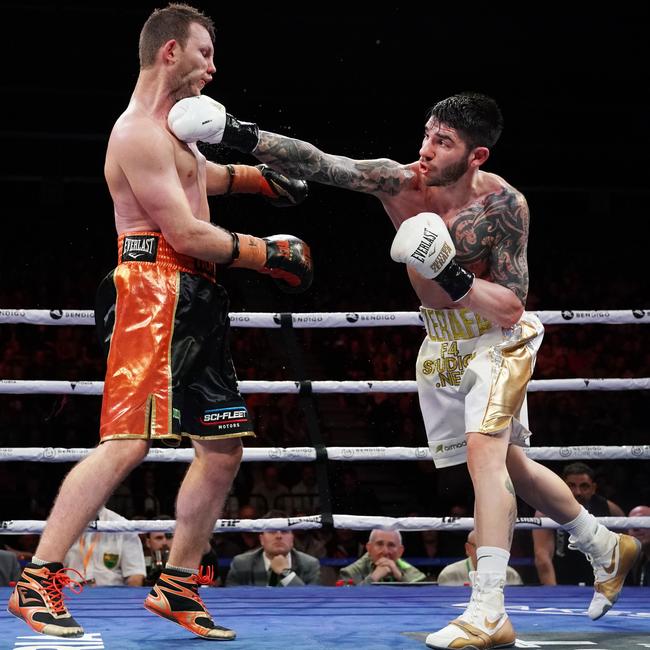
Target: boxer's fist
x=197, y=118
x=202, y=118
x=285, y=258
x=288, y=262
x=424, y=243
x=282, y=190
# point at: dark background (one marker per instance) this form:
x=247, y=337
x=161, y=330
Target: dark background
x=354, y=81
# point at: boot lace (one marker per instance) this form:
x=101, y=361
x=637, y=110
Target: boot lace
x=204, y=578
x=54, y=584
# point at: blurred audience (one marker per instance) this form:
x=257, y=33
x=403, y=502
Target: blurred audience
x=268, y=489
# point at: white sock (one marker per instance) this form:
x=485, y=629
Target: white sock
x=589, y=536
x=38, y=561
x=193, y=572
x=583, y=527
x=492, y=559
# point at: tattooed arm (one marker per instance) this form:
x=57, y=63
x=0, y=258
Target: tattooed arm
x=508, y=213
x=299, y=159
x=502, y=225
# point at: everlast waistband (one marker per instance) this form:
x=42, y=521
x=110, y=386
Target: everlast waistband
x=152, y=248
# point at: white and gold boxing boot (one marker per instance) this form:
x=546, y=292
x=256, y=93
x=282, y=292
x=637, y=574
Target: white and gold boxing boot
x=610, y=571
x=484, y=624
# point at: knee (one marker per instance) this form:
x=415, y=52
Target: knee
x=222, y=456
x=128, y=453
x=484, y=454
x=520, y=467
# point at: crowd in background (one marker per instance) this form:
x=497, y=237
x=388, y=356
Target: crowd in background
x=410, y=488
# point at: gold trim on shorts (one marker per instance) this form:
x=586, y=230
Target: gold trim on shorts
x=512, y=369
x=135, y=436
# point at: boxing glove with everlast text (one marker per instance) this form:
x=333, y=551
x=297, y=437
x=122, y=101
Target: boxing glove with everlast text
x=285, y=258
x=201, y=118
x=424, y=243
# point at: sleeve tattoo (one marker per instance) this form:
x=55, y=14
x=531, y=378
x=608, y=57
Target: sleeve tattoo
x=496, y=233
x=509, y=219
x=300, y=159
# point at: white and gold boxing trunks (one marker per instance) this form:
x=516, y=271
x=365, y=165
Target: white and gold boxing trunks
x=472, y=376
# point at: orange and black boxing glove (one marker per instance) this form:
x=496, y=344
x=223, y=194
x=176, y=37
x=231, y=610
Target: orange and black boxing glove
x=279, y=190
x=285, y=258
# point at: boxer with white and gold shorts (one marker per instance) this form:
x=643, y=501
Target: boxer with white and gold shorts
x=164, y=324
x=472, y=377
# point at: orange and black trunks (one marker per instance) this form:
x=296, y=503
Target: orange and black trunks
x=163, y=321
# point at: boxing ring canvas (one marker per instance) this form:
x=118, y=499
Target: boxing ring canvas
x=349, y=618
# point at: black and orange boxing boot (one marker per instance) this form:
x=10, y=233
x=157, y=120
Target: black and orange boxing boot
x=37, y=599
x=175, y=596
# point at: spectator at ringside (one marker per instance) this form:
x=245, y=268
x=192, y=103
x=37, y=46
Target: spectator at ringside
x=108, y=558
x=276, y=563
x=556, y=562
x=457, y=574
x=157, y=546
x=382, y=561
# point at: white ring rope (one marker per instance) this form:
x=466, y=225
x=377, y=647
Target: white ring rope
x=350, y=522
x=47, y=387
x=325, y=320
x=306, y=454
x=334, y=319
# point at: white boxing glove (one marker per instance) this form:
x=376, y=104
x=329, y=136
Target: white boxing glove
x=197, y=118
x=424, y=243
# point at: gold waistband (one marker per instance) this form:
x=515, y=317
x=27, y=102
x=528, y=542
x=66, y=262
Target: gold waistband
x=453, y=324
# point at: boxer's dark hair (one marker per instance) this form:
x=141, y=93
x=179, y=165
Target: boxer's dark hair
x=476, y=117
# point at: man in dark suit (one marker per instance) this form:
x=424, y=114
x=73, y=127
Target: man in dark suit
x=276, y=563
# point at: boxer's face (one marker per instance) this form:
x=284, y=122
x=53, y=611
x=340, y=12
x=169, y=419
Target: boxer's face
x=443, y=155
x=195, y=65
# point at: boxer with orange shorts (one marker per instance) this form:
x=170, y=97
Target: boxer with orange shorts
x=163, y=320
x=164, y=323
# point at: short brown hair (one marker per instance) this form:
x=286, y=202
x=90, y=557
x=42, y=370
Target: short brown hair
x=172, y=22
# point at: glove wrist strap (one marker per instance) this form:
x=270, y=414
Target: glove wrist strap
x=242, y=136
x=251, y=252
x=455, y=280
x=245, y=179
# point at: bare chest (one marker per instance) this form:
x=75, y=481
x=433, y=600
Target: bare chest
x=190, y=165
